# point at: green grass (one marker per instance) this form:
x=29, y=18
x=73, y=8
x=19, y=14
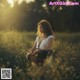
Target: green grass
x=64, y=64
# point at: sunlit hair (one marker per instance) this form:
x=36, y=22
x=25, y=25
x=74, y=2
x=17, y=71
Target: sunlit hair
x=46, y=27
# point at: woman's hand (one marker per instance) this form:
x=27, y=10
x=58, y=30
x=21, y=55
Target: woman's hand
x=35, y=52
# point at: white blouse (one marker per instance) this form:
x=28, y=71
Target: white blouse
x=44, y=42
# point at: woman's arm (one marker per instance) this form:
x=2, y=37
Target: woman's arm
x=34, y=47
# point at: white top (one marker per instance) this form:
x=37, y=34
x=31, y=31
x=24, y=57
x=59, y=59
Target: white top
x=44, y=42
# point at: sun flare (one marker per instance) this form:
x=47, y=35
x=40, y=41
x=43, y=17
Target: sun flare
x=28, y=1
x=11, y=2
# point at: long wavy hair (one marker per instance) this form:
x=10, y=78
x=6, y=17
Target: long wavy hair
x=46, y=28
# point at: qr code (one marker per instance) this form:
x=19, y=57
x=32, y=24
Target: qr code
x=6, y=73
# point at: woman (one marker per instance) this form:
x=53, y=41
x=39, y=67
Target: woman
x=43, y=43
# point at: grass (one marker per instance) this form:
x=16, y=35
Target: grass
x=64, y=64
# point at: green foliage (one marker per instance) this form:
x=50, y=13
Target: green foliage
x=64, y=64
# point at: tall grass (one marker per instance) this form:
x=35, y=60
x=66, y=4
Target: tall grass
x=63, y=64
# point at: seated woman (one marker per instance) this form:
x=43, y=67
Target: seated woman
x=43, y=43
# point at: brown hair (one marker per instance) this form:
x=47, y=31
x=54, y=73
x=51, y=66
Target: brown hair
x=46, y=27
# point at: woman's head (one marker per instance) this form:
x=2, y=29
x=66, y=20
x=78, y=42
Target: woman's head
x=44, y=27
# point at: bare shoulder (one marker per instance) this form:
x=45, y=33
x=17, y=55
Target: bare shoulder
x=51, y=37
x=37, y=38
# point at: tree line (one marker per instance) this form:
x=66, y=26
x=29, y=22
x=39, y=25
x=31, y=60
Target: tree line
x=25, y=16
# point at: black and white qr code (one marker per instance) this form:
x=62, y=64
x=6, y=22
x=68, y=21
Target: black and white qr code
x=6, y=73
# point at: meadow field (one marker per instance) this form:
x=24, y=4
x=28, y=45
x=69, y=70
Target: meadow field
x=63, y=64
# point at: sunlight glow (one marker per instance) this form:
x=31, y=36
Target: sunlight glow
x=44, y=5
x=11, y=2
x=28, y=1
x=20, y=1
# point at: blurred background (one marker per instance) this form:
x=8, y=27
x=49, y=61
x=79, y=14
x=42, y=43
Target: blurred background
x=18, y=26
x=24, y=15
